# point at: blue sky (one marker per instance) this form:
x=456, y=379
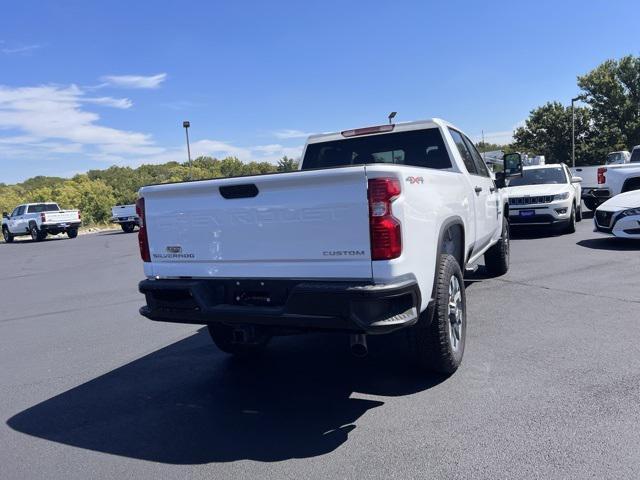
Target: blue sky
x=89, y=84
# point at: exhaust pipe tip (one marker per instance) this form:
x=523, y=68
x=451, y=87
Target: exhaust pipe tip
x=359, y=345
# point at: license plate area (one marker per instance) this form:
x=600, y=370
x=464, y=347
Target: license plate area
x=259, y=293
x=527, y=213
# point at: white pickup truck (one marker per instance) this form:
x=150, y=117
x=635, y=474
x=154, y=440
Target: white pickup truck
x=601, y=182
x=370, y=236
x=40, y=220
x=126, y=217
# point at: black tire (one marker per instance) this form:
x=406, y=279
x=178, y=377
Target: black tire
x=37, y=235
x=579, y=214
x=222, y=336
x=496, y=259
x=570, y=226
x=128, y=227
x=432, y=338
x=591, y=204
x=8, y=238
x=72, y=232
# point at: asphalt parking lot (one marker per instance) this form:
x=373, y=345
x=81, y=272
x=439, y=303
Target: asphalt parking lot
x=549, y=386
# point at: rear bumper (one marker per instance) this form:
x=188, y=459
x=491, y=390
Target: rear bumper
x=124, y=220
x=59, y=226
x=308, y=305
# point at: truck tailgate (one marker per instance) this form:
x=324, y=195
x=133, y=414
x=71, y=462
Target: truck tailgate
x=62, y=216
x=307, y=224
x=123, y=211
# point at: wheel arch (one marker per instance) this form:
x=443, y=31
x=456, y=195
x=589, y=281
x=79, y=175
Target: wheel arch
x=452, y=229
x=631, y=184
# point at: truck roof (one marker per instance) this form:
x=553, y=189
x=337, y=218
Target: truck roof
x=546, y=165
x=39, y=203
x=398, y=127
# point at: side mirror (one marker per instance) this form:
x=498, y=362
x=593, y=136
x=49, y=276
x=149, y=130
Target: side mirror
x=576, y=179
x=512, y=165
x=500, y=180
x=5, y=215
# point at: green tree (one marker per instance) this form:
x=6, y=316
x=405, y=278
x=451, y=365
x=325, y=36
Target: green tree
x=612, y=90
x=488, y=147
x=547, y=132
x=231, y=167
x=286, y=164
x=95, y=199
x=95, y=192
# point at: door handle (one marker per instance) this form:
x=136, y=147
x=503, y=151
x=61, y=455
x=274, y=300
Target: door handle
x=478, y=189
x=492, y=189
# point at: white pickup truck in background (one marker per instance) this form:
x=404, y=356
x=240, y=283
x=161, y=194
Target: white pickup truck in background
x=601, y=182
x=126, y=217
x=371, y=236
x=40, y=220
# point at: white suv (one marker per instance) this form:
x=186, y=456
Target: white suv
x=545, y=195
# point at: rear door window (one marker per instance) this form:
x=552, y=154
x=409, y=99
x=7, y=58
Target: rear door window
x=481, y=167
x=467, y=158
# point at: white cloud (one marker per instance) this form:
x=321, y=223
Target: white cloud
x=220, y=149
x=55, y=113
x=135, y=81
x=288, y=133
x=268, y=149
x=217, y=148
x=122, y=103
x=54, y=122
x=22, y=49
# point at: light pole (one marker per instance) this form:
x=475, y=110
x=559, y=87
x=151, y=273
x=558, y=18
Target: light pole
x=573, y=129
x=186, y=126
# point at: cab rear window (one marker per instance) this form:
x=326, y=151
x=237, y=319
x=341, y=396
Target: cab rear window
x=418, y=148
x=43, y=207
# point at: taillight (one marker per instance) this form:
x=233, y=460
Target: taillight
x=143, y=239
x=601, y=177
x=42, y=218
x=386, y=236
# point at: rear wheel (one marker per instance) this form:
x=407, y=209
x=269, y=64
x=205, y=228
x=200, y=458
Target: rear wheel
x=37, y=235
x=7, y=235
x=496, y=259
x=72, y=232
x=225, y=339
x=128, y=227
x=438, y=338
